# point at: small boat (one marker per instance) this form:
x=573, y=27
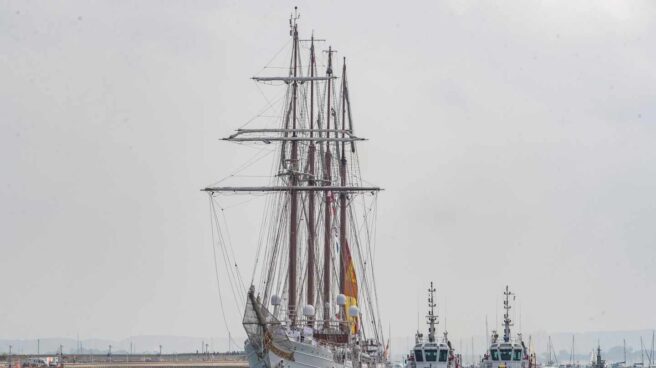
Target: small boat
x=508, y=352
x=596, y=361
x=432, y=352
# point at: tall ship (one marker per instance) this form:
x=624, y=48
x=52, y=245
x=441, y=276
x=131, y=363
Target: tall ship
x=431, y=351
x=315, y=302
x=507, y=352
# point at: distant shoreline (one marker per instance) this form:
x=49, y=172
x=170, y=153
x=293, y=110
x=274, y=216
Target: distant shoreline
x=188, y=360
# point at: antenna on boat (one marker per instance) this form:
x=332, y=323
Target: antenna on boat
x=432, y=316
x=487, y=333
x=418, y=314
x=520, y=315
x=507, y=322
x=444, y=309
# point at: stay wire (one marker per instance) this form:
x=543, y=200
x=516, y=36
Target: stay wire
x=226, y=259
x=232, y=250
x=216, y=273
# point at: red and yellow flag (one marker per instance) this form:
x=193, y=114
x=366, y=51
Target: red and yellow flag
x=350, y=287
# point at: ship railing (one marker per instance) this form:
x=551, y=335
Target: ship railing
x=327, y=333
x=331, y=332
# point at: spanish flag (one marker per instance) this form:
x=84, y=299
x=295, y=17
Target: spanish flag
x=350, y=287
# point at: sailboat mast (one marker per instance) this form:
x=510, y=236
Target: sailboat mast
x=342, y=195
x=311, y=210
x=293, y=182
x=549, y=360
x=327, y=199
x=651, y=361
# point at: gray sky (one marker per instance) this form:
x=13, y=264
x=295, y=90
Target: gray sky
x=514, y=140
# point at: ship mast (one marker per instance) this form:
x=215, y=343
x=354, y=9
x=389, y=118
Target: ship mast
x=311, y=195
x=432, y=316
x=327, y=199
x=506, y=316
x=342, y=195
x=293, y=182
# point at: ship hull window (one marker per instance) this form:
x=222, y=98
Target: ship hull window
x=419, y=357
x=517, y=354
x=444, y=355
x=431, y=355
x=495, y=355
x=506, y=354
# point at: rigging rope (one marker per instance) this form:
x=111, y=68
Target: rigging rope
x=232, y=277
x=232, y=250
x=216, y=273
x=250, y=162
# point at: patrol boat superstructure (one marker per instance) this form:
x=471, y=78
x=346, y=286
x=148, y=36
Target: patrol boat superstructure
x=433, y=352
x=508, y=352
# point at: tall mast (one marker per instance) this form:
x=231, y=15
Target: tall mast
x=293, y=182
x=342, y=195
x=651, y=361
x=487, y=333
x=549, y=360
x=506, y=316
x=431, y=317
x=343, y=109
x=327, y=199
x=311, y=210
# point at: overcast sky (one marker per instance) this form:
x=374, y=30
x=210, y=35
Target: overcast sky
x=515, y=141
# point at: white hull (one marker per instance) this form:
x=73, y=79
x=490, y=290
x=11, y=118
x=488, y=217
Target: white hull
x=306, y=355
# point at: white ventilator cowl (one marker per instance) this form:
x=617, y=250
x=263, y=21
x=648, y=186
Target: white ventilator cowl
x=308, y=310
x=341, y=299
x=275, y=300
x=354, y=311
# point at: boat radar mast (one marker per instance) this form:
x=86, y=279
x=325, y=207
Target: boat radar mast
x=597, y=362
x=506, y=317
x=508, y=353
x=433, y=352
x=432, y=316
